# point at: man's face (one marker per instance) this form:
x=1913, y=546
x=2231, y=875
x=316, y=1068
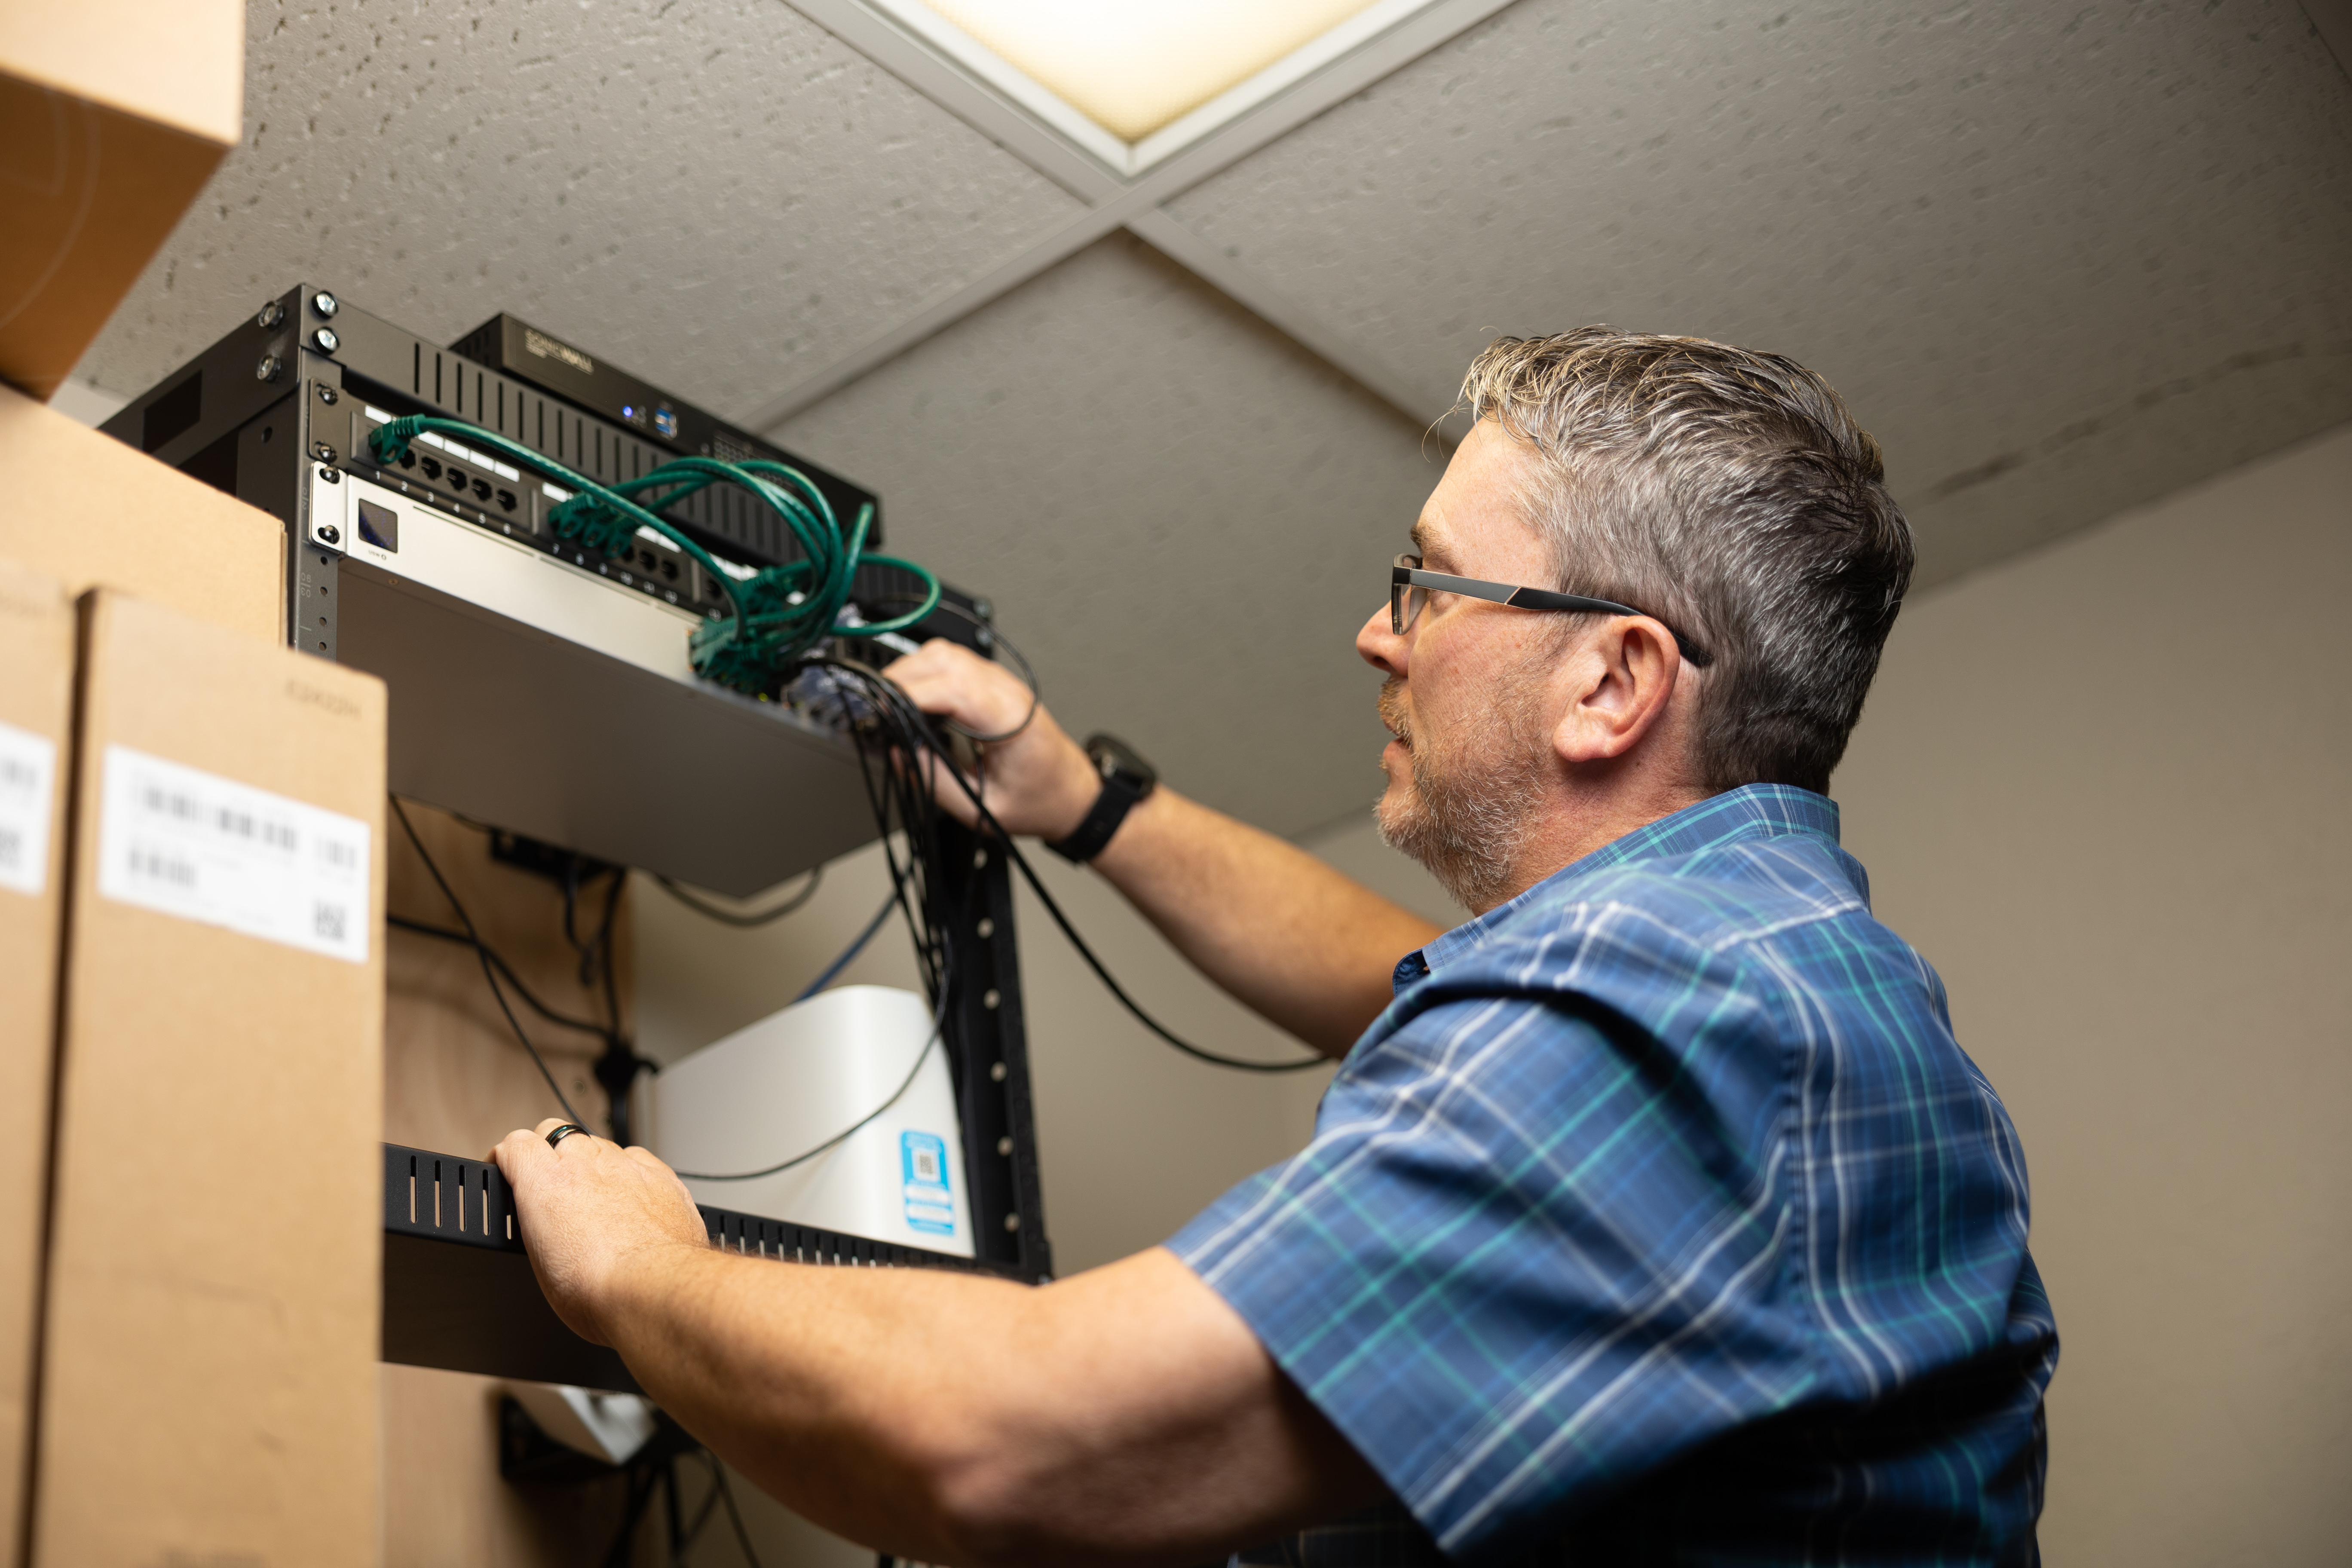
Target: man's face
x=1468, y=695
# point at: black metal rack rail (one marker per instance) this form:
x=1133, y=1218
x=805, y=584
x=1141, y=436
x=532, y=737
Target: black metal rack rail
x=458, y=1292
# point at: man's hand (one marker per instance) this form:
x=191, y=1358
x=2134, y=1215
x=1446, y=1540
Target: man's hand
x=588, y=1208
x=1039, y=782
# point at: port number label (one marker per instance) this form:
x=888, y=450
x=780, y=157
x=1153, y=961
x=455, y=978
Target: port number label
x=188, y=843
x=28, y=773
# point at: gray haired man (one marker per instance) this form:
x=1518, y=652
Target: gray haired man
x=1654, y=1214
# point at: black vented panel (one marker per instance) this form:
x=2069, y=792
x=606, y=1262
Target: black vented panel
x=458, y=1292
x=467, y=1203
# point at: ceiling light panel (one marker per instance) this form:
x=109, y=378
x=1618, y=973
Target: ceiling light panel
x=1132, y=80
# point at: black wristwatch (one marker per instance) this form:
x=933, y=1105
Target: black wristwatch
x=1127, y=778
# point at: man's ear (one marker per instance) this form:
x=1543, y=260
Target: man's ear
x=1620, y=680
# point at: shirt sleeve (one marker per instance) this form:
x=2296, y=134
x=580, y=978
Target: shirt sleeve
x=1531, y=1254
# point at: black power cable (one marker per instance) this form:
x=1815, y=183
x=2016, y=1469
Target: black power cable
x=481, y=952
x=529, y=999
x=915, y=736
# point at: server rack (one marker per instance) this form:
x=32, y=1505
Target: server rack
x=540, y=690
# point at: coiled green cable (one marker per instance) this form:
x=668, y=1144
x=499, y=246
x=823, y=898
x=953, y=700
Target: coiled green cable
x=779, y=612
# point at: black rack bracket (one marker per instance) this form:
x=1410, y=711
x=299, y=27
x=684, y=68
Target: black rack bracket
x=458, y=1292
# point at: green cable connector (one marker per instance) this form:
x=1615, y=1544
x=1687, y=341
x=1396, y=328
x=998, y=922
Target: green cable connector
x=780, y=612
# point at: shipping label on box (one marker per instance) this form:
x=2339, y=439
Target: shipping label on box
x=29, y=782
x=188, y=843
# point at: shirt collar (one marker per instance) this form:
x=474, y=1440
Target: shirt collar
x=1751, y=811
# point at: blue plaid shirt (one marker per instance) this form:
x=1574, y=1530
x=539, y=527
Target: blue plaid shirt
x=1660, y=1218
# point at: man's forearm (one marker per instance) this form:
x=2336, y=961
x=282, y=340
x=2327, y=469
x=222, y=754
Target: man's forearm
x=1291, y=937
x=825, y=1386
x=1121, y=1416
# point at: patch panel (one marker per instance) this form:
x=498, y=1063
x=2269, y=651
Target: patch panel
x=537, y=684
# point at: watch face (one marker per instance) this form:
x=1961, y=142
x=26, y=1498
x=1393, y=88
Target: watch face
x=1118, y=759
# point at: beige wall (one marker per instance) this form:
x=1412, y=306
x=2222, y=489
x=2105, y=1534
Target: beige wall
x=2108, y=790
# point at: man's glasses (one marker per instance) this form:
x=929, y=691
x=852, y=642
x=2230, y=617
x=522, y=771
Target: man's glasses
x=1410, y=587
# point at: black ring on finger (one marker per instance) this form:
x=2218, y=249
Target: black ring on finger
x=558, y=1134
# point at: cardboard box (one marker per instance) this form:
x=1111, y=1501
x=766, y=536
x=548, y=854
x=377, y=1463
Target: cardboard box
x=37, y=650
x=113, y=113
x=208, y=1363
x=89, y=509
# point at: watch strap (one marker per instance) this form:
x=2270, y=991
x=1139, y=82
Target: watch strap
x=1085, y=841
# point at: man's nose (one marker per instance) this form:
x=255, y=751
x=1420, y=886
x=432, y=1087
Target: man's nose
x=1380, y=648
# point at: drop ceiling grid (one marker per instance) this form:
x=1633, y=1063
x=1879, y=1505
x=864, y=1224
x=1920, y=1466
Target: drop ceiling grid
x=1982, y=225
x=710, y=193
x=1181, y=517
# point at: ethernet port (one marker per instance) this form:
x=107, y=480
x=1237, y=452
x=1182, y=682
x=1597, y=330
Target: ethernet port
x=432, y=467
x=481, y=489
x=456, y=479
x=507, y=502
x=408, y=459
x=670, y=569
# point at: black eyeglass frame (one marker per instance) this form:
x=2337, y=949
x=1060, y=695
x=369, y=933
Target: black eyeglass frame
x=1407, y=574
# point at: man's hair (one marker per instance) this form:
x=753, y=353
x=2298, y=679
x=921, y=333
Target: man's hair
x=1731, y=495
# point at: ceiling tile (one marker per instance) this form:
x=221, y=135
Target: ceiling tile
x=719, y=195
x=2065, y=257
x=1181, y=518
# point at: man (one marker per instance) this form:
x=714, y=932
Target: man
x=1654, y=1214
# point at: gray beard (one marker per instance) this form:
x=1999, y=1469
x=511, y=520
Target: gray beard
x=1472, y=807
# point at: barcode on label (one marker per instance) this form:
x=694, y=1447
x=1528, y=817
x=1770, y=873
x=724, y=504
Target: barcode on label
x=162, y=868
x=203, y=848
x=232, y=820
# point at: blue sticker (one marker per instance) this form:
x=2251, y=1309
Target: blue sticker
x=923, y=1162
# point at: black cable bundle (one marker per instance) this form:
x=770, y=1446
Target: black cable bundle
x=914, y=742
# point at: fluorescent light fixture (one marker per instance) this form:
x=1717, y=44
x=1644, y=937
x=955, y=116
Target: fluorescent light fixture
x=1133, y=81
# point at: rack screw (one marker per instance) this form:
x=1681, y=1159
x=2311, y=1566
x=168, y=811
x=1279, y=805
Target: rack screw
x=268, y=368
x=988, y=999
x=271, y=314
x=987, y=928
x=1005, y=1146
x=330, y=534
x=996, y=1072
x=1012, y=1222
x=326, y=453
x=326, y=394
x=324, y=303
x=326, y=339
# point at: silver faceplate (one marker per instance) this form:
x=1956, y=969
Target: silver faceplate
x=539, y=697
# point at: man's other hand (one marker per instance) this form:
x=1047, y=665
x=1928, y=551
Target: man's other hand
x=1039, y=782
x=588, y=1209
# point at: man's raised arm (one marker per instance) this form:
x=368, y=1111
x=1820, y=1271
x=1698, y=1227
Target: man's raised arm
x=1305, y=947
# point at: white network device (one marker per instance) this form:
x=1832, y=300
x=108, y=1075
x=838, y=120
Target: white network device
x=798, y=1077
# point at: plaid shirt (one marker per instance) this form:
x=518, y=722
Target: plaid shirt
x=1660, y=1218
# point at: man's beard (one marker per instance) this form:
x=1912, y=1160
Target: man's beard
x=1472, y=806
